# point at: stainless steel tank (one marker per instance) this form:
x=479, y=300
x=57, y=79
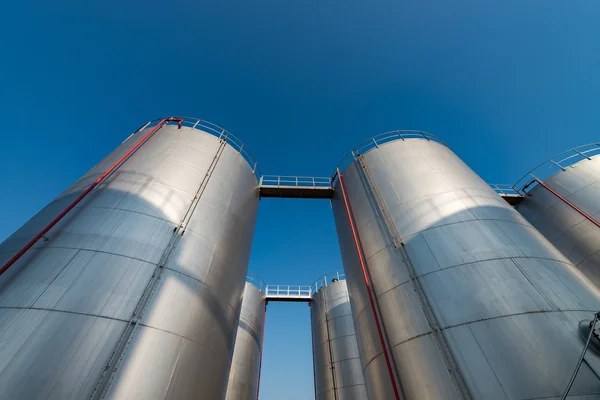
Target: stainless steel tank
x=136, y=292
x=244, y=376
x=337, y=368
x=574, y=177
x=469, y=300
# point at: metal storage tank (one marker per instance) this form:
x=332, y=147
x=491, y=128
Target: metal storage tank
x=454, y=294
x=337, y=367
x=565, y=205
x=115, y=301
x=244, y=376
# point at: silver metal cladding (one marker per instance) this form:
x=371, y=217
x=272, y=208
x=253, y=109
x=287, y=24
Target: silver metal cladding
x=245, y=365
x=337, y=367
x=555, y=217
x=136, y=293
x=466, y=289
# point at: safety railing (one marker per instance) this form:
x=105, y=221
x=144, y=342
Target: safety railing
x=288, y=291
x=504, y=189
x=383, y=138
x=559, y=162
x=326, y=280
x=219, y=132
x=295, y=181
x=256, y=281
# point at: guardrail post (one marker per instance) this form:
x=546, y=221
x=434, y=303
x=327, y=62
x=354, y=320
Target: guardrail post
x=559, y=166
x=581, y=154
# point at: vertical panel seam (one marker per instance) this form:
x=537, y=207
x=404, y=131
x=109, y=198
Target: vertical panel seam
x=55, y=278
x=487, y=361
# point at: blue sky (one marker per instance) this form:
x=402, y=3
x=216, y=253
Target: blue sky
x=505, y=84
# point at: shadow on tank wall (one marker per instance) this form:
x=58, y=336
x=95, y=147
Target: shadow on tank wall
x=65, y=304
x=507, y=302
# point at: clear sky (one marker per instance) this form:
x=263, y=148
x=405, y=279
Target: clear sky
x=505, y=83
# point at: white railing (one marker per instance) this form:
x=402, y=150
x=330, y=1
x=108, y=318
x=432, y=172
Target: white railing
x=288, y=291
x=303, y=292
x=215, y=130
x=256, y=281
x=505, y=190
x=295, y=181
x=559, y=162
x=326, y=280
x=382, y=139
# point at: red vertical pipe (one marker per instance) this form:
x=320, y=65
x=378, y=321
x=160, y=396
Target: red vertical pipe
x=573, y=206
x=368, y=285
x=85, y=193
x=262, y=343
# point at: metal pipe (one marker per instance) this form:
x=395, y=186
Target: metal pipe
x=587, y=343
x=573, y=206
x=98, y=181
x=368, y=285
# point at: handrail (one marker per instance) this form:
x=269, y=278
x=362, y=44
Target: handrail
x=326, y=280
x=288, y=291
x=381, y=139
x=256, y=281
x=295, y=181
x=559, y=162
x=219, y=132
x=504, y=189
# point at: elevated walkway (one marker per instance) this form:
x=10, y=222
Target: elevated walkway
x=289, y=293
x=508, y=193
x=295, y=187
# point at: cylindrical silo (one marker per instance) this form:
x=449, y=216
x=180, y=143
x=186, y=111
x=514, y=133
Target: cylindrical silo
x=245, y=366
x=337, y=368
x=136, y=292
x=565, y=206
x=454, y=294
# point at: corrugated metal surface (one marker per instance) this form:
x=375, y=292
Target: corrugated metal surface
x=65, y=305
x=506, y=301
x=575, y=236
x=337, y=368
x=245, y=365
